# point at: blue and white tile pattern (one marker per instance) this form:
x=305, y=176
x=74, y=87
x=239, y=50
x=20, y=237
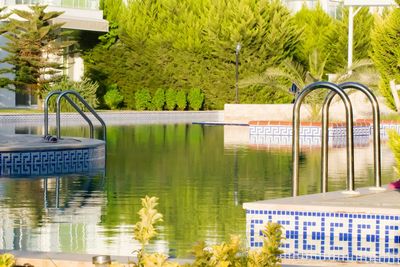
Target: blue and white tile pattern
x=331, y=235
x=48, y=162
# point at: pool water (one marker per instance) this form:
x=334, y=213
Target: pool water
x=200, y=182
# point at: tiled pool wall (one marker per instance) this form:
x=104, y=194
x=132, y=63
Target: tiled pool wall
x=319, y=235
x=128, y=117
x=50, y=162
x=311, y=141
x=280, y=133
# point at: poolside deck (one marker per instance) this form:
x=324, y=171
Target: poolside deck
x=362, y=227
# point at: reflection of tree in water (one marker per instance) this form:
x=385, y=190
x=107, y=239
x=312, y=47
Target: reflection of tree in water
x=196, y=180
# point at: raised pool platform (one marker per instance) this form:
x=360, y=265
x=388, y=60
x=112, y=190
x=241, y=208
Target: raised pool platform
x=363, y=227
x=30, y=155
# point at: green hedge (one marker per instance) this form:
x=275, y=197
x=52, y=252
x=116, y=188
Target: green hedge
x=185, y=44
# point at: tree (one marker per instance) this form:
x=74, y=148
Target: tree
x=35, y=46
x=191, y=44
x=292, y=72
x=386, y=52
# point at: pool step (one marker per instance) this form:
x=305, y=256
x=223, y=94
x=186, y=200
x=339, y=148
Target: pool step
x=335, y=226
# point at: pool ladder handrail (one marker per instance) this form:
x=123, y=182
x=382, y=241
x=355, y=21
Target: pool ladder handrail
x=376, y=133
x=296, y=132
x=335, y=89
x=64, y=94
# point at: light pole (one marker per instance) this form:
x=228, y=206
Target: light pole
x=238, y=46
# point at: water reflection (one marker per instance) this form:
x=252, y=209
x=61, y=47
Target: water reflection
x=201, y=181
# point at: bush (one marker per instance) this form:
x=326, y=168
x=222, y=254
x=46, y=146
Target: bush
x=86, y=88
x=181, y=101
x=229, y=253
x=170, y=99
x=143, y=99
x=113, y=98
x=159, y=99
x=195, y=99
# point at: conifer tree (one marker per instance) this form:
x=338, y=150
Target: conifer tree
x=386, y=52
x=191, y=43
x=34, y=47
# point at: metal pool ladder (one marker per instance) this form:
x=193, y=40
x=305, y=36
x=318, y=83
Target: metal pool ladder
x=64, y=94
x=339, y=90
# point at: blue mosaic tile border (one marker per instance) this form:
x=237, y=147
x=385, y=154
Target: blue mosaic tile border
x=283, y=130
x=36, y=163
x=330, y=235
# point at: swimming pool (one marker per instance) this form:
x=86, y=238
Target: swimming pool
x=200, y=180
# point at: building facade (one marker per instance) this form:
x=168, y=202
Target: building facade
x=83, y=15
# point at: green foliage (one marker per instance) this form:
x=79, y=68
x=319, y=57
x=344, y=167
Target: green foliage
x=328, y=37
x=195, y=99
x=189, y=44
x=31, y=39
x=113, y=98
x=181, y=101
x=270, y=252
x=394, y=144
x=337, y=44
x=143, y=99
x=145, y=230
x=317, y=25
x=229, y=253
x=7, y=260
x=170, y=99
x=232, y=254
x=86, y=88
x=386, y=52
x=158, y=101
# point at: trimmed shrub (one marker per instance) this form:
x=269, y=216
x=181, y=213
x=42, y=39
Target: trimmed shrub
x=143, y=99
x=195, y=99
x=158, y=99
x=170, y=99
x=181, y=101
x=113, y=98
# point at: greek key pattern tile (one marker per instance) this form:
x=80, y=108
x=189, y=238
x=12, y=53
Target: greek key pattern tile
x=278, y=130
x=36, y=163
x=330, y=236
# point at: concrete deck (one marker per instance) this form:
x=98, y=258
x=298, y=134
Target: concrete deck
x=25, y=142
x=364, y=200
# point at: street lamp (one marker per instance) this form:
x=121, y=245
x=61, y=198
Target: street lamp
x=238, y=46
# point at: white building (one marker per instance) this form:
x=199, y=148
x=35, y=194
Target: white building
x=82, y=15
x=332, y=7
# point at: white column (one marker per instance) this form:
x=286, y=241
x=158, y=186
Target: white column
x=352, y=14
x=350, y=38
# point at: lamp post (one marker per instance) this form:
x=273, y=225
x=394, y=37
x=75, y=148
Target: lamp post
x=238, y=46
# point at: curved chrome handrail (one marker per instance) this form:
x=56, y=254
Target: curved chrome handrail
x=83, y=101
x=376, y=135
x=73, y=104
x=296, y=132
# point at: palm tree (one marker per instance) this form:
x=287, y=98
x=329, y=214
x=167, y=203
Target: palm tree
x=292, y=72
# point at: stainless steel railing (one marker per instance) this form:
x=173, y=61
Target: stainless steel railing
x=336, y=90
x=376, y=132
x=64, y=94
x=296, y=132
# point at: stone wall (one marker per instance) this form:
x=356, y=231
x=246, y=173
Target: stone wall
x=243, y=113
